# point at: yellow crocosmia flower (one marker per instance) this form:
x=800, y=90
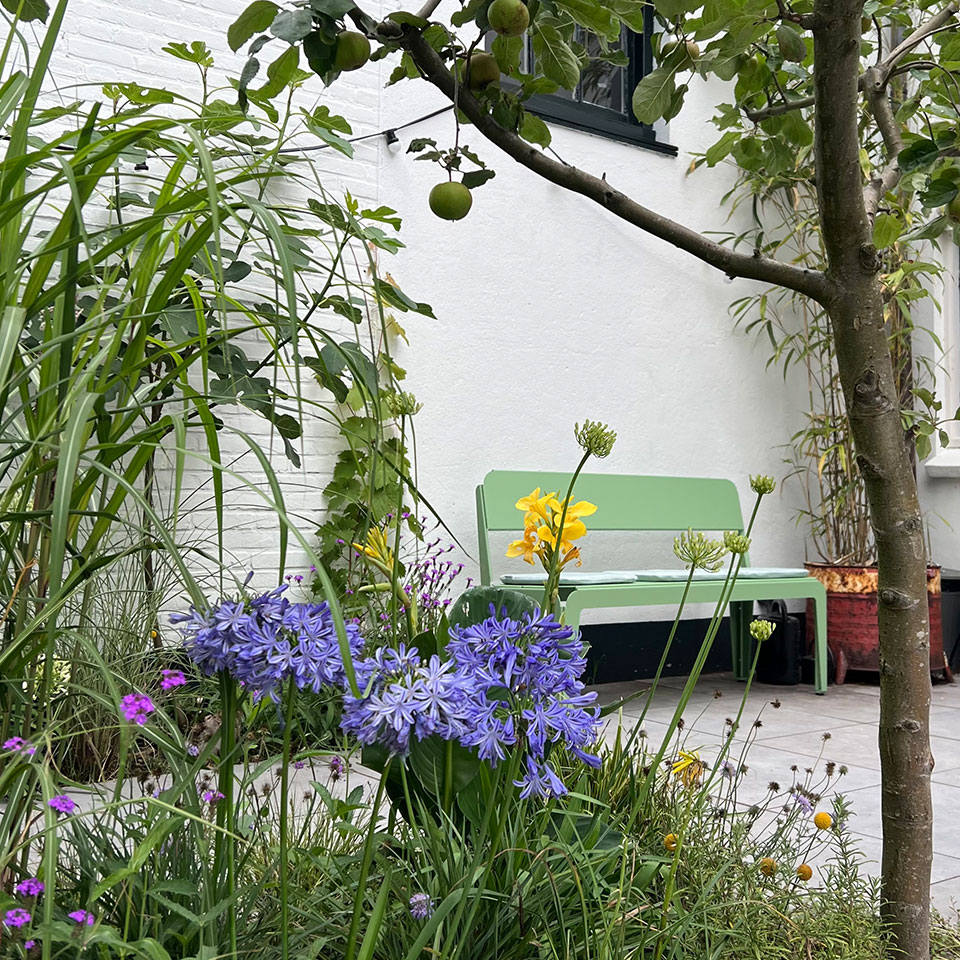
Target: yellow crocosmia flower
x=572, y=554
x=689, y=768
x=528, y=548
x=377, y=548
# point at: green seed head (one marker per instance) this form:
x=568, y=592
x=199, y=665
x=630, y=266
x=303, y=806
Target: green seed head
x=595, y=437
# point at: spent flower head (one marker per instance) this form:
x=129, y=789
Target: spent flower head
x=736, y=542
x=698, y=551
x=403, y=404
x=762, y=630
x=595, y=438
x=762, y=484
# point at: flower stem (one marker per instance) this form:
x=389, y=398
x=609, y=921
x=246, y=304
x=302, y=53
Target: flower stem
x=225, y=847
x=284, y=817
x=551, y=591
x=360, y=898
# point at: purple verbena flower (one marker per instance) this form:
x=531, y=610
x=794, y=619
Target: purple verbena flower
x=17, y=917
x=29, y=944
x=136, y=708
x=31, y=887
x=193, y=750
x=62, y=804
x=212, y=797
x=82, y=917
x=171, y=678
x=20, y=745
x=336, y=768
x=421, y=906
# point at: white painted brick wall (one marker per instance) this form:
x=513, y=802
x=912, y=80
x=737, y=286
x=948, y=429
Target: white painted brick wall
x=549, y=310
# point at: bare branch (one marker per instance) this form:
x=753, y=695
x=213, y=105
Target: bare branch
x=753, y=267
x=775, y=109
x=931, y=26
x=875, y=87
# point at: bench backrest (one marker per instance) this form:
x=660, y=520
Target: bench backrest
x=624, y=502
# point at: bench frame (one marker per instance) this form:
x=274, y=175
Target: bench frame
x=655, y=503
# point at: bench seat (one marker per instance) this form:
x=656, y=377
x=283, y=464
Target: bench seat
x=645, y=504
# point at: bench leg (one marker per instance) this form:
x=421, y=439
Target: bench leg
x=740, y=614
x=820, y=641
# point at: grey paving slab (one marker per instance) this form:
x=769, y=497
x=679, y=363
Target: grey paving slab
x=792, y=736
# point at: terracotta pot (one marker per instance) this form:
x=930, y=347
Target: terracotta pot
x=852, y=631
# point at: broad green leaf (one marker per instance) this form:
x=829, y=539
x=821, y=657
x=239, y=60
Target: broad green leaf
x=886, y=230
x=292, y=25
x=939, y=192
x=654, y=95
x=28, y=10
x=256, y=18
x=475, y=605
x=918, y=155
x=592, y=16
x=429, y=761
x=476, y=178
x=534, y=130
x=722, y=147
x=280, y=72
x=554, y=56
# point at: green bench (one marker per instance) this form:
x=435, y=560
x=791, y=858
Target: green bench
x=639, y=503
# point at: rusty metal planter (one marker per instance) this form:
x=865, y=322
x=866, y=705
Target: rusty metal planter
x=852, y=632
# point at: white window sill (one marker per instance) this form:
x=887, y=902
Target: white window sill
x=945, y=464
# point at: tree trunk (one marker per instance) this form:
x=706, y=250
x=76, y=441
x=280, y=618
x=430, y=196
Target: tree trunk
x=870, y=389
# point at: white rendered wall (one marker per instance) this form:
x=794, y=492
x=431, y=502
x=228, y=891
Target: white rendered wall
x=549, y=309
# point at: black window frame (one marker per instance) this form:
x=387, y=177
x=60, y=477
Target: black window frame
x=603, y=121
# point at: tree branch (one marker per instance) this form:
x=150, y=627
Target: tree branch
x=875, y=87
x=811, y=283
x=935, y=23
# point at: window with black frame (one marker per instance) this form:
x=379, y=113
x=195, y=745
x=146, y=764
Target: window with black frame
x=601, y=101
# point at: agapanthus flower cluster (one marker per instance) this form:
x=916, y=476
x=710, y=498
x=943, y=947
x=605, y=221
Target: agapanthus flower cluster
x=264, y=640
x=401, y=695
x=539, y=662
x=507, y=684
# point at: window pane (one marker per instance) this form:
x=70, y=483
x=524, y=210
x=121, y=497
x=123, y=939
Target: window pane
x=601, y=83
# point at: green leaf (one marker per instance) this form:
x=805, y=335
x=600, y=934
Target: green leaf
x=919, y=155
x=791, y=43
x=473, y=606
x=292, y=25
x=280, y=72
x=654, y=95
x=534, y=130
x=722, y=147
x=476, y=178
x=554, y=57
x=256, y=18
x=428, y=760
x=332, y=8
x=886, y=230
x=939, y=191
x=592, y=16
x=197, y=52
x=29, y=10
x=236, y=271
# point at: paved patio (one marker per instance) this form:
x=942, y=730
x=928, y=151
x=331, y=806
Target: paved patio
x=794, y=733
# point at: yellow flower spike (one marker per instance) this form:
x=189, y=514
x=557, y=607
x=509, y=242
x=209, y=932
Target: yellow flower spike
x=823, y=820
x=689, y=768
x=670, y=841
x=768, y=866
x=804, y=872
x=377, y=550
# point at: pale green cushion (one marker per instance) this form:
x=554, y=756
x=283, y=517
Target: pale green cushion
x=745, y=573
x=571, y=579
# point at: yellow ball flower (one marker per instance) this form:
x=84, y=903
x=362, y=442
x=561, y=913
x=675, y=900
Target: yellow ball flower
x=823, y=820
x=768, y=866
x=804, y=872
x=670, y=841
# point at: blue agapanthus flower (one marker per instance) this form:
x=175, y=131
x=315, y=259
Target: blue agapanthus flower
x=528, y=672
x=404, y=696
x=265, y=640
